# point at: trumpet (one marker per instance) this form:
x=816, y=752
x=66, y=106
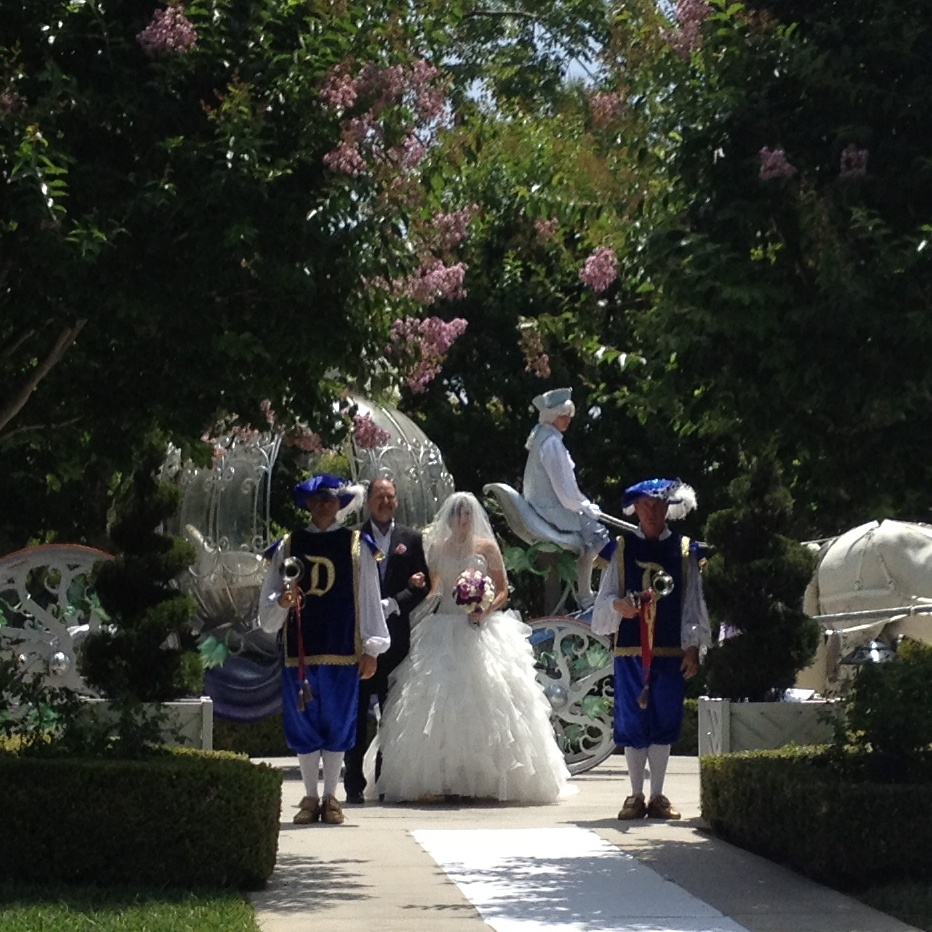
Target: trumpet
x=292, y=568
x=661, y=584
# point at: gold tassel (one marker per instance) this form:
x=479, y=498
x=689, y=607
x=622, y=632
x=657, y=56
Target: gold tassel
x=644, y=697
x=304, y=695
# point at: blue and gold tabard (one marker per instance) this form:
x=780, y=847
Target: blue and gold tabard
x=638, y=560
x=329, y=583
x=662, y=720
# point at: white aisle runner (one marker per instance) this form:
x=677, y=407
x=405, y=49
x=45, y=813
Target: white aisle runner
x=564, y=880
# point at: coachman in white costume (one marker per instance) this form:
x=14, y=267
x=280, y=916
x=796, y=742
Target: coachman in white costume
x=550, y=486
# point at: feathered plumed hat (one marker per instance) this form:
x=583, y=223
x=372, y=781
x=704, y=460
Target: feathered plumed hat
x=680, y=497
x=350, y=496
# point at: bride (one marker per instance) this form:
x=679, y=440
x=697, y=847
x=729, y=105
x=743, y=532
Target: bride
x=465, y=715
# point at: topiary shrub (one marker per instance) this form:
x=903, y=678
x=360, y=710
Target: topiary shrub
x=148, y=651
x=754, y=582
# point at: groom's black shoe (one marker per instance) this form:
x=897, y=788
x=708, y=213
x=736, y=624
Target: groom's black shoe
x=355, y=799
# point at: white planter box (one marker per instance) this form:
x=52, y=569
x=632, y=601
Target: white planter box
x=191, y=719
x=726, y=726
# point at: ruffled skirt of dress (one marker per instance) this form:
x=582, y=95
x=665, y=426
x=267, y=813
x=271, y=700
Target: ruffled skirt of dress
x=466, y=717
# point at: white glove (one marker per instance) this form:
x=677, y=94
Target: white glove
x=389, y=607
x=591, y=510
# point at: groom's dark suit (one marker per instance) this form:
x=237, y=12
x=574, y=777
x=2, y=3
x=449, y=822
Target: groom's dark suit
x=404, y=558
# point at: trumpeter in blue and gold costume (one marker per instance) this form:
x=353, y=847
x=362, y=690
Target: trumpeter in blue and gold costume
x=322, y=594
x=650, y=601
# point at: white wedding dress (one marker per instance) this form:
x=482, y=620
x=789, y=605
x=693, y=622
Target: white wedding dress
x=465, y=715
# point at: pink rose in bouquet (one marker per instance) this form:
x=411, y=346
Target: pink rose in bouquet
x=473, y=592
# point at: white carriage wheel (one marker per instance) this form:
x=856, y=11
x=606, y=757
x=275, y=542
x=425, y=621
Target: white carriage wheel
x=47, y=608
x=576, y=670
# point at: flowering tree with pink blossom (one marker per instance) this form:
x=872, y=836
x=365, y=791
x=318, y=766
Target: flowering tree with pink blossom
x=418, y=347
x=169, y=33
x=244, y=218
x=600, y=269
x=367, y=435
x=774, y=164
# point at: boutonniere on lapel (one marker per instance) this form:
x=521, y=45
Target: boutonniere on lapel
x=400, y=549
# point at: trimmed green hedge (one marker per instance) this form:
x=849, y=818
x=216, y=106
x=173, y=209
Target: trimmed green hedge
x=820, y=815
x=262, y=738
x=182, y=818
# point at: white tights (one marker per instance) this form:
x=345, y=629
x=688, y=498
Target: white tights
x=311, y=766
x=584, y=577
x=638, y=759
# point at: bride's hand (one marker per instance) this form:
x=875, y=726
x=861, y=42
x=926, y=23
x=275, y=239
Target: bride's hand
x=476, y=617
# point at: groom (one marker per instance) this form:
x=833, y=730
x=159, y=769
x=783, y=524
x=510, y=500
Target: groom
x=404, y=579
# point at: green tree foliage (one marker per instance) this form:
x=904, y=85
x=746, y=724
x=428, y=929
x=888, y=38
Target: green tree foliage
x=549, y=196
x=787, y=251
x=146, y=653
x=173, y=243
x=754, y=582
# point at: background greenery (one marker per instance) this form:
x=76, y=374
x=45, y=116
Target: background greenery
x=172, y=238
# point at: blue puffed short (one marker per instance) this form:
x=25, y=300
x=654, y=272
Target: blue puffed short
x=662, y=721
x=328, y=722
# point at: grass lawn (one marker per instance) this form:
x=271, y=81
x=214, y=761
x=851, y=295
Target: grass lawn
x=40, y=908
x=47, y=907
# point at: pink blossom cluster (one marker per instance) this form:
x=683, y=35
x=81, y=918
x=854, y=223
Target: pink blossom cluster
x=367, y=434
x=686, y=37
x=605, y=106
x=303, y=438
x=600, y=270
x=385, y=85
x=853, y=162
x=339, y=88
x=416, y=86
x=419, y=346
x=409, y=154
x=546, y=229
x=430, y=98
x=774, y=164
x=531, y=343
x=222, y=437
x=346, y=159
x=450, y=229
x=265, y=406
x=170, y=31
x=432, y=281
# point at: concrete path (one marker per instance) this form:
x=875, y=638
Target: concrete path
x=569, y=867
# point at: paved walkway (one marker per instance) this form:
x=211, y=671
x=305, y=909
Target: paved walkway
x=569, y=867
